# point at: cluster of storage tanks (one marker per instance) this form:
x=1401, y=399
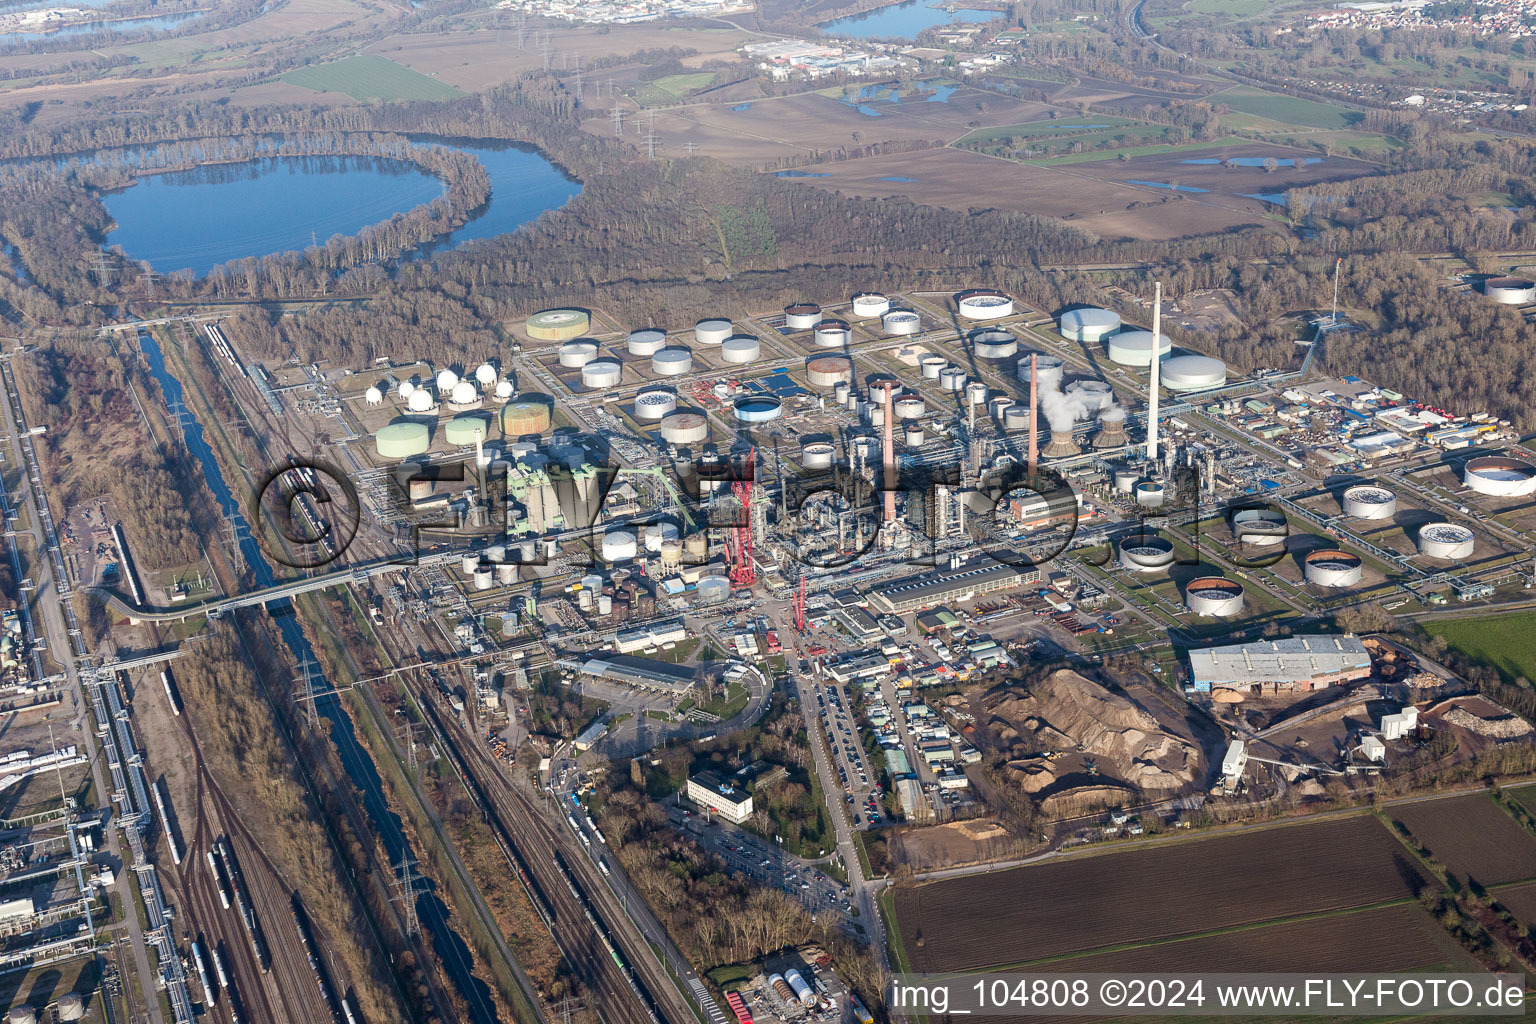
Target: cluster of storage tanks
x=449, y=389
x=1134, y=347
x=792, y=987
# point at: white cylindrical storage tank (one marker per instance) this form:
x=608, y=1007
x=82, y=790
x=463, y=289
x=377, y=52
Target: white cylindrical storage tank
x=684, y=428
x=840, y=392
x=619, y=546
x=740, y=349
x=464, y=393
x=1146, y=553
x=914, y=437
x=853, y=398
x=1499, y=475
x=802, y=316
x=584, y=599
x=1125, y=481
x=817, y=455
x=712, y=331
x=646, y=341
x=71, y=1007
x=469, y=563
x=801, y=990
x=373, y=396
x=602, y=373
x=1510, y=291
x=900, y=322
x=1150, y=493
x=828, y=371
x=1089, y=324
x=831, y=334
x=1096, y=395
x=757, y=409
x=653, y=405
x=21, y=1015
x=1016, y=417
x=930, y=365
x=1134, y=348
x=909, y=407
x=952, y=378
x=870, y=304
x=506, y=572
x=1450, y=541
x=876, y=392
x=1367, y=501
x=1047, y=366
x=576, y=354
x=1332, y=568
x=485, y=576
x=1214, y=596
x=984, y=304
x=420, y=401
x=713, y=589
x=503, y=390
x=671, y=361
x=446, y=379
x=975, y=393
x=1259, y=526
x=1192, y=373
x=998, y=406
x=605, y=604
x=993, y=345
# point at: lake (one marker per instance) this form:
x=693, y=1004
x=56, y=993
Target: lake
x=197, y=219
x=122, y=25
x=901, y=21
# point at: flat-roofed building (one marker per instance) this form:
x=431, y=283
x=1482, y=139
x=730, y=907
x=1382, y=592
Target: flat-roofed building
x=940, y=586
x=651, y=634
x=725, y=799
x=1294, y=664
x=643, y=672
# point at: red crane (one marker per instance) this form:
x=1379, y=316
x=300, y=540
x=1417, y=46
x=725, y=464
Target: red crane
x=800, y=606
x=743, y=569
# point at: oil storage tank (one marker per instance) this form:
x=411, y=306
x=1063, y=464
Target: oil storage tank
x=601, y=373
x=802, y=316
x=402, y=440
x=1089, y=324
x=711, y=331
x=1262, y=527
x=1215, y=596
x=742, y=348
x=1192, y=373
x=828, y=371
x=900, y=322
x=1146, y=552
x=576, y=354
x=817, y=454
x=1510, y=291
x=993, y=345
x=831, y=334
x=1134, y=348
x=867, y=304
x=930, y=365
x=653, y=405
x=984, y=304
x=672, y=361
x=758, y=409
x=525, y=416
x=646, y=341
x=557, y=324
x=1450, y=541
x=684, y=427
x=619, y=546
x=462, y=431
x=1368, y=501
x=1332, y=568
x=1499, y=475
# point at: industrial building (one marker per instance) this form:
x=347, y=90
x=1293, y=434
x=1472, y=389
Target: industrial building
x=1295, y=664
x=720, y=797
x=651, y=634
x=643, y=672
x=960, y=583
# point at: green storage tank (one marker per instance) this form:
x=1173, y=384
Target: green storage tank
x=402, y=440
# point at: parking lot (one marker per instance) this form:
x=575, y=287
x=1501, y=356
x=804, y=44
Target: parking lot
x=861, y=790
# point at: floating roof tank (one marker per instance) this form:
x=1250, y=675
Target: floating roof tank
x=984, y=304
x=801, y=316
x=869, y=304
x=1367, y=501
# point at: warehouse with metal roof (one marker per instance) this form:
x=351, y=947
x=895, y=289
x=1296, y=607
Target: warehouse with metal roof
x=1294, y=664
x=645, y=672
x=971, y=579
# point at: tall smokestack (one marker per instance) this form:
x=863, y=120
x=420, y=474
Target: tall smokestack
x=1157, y=345
x=888, y=469
x=1034, y=407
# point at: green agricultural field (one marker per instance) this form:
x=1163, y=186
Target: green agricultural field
x=1503, y=641
x=371, y=77
x=672, y=89
x=1045, y=129
x=1285, y=109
